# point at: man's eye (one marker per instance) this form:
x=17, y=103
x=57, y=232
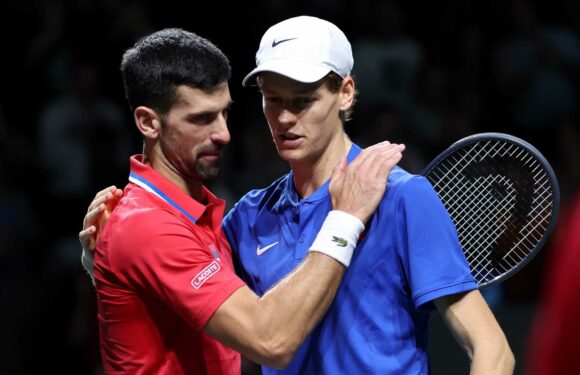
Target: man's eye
x=302, y=102
x=203, y=119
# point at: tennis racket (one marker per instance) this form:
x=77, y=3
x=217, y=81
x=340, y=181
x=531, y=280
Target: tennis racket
x=503, y=197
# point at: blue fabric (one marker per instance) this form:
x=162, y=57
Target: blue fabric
x=409, y=255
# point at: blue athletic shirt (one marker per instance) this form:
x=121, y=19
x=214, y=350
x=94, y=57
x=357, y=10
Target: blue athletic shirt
x=408, y=256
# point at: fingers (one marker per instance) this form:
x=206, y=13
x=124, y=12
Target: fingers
x=388, y=159
x=104, y=200
x=338, y=172
x=114, y=200
x=379, y=159
x=106, y=190
x=103, y=195
x=339, y=169
x=371, y=152
x=395, y=157
x=88, y=235
x=92, y=216
x=85, y=234
x=86, y=238
x=359, y=187
x=377, y=145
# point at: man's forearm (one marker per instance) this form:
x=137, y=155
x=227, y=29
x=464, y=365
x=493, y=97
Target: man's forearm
x=269, y=329
x=494, y=358
x=478, y=332
x=293, y=307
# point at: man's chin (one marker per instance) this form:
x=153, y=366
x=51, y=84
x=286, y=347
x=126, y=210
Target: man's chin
x=289, y=155
x=207, y=173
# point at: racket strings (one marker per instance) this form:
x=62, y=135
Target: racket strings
x=468, y=156
x=538, y=223
x=472, y=204
x=483, y=207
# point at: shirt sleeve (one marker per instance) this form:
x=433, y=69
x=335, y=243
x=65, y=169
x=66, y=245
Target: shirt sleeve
x=165, y=259
x=432, y=256
x=229, y=226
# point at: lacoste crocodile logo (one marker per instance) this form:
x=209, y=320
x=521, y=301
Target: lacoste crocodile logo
x=339, y=241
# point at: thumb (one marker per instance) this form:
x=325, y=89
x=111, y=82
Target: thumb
x=339, y=169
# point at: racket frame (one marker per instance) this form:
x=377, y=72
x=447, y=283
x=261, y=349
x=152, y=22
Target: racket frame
x=494, y=136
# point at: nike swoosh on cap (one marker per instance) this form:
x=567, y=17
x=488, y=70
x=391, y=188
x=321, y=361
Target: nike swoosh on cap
x=262, y=250
x=275, y=43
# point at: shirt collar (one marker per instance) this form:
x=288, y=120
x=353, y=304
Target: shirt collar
x=289, y=196
x=150, y=180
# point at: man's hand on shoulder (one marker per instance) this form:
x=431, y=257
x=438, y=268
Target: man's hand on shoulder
x=97, y=215
x=357, y=188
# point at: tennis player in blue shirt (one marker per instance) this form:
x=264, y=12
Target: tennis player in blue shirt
x=408, y=261
x=378, y=321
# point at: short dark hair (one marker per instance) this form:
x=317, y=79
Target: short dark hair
x=160, y=62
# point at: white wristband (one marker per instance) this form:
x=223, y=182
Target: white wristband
x=338, y=236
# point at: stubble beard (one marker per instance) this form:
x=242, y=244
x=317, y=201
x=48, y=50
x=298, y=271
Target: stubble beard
x=207, y=172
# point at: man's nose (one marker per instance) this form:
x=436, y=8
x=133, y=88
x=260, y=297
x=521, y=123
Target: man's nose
x=221, y=134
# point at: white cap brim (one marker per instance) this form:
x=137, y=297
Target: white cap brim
x=298, y=71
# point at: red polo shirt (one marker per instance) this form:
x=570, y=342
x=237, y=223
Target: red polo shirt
x=162, y=268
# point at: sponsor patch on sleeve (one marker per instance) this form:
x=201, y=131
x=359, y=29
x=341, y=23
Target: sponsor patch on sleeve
x=205, y=274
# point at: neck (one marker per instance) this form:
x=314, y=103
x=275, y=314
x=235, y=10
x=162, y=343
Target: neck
x=191, y=187
x=311, y=174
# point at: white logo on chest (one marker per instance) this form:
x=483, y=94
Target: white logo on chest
x=262, y=250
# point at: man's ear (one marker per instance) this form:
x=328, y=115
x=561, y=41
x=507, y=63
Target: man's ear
x=347, y=91
x=147, y=121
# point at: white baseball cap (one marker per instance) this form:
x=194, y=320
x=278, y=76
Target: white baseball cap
x=303, y=48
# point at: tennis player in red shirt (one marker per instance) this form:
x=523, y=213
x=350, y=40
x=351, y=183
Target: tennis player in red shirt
x=169, y=301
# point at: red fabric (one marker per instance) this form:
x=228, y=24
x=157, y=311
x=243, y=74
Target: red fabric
x=159, y=278
x=554, y=345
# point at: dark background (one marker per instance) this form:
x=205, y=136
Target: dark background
x=428, y=74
